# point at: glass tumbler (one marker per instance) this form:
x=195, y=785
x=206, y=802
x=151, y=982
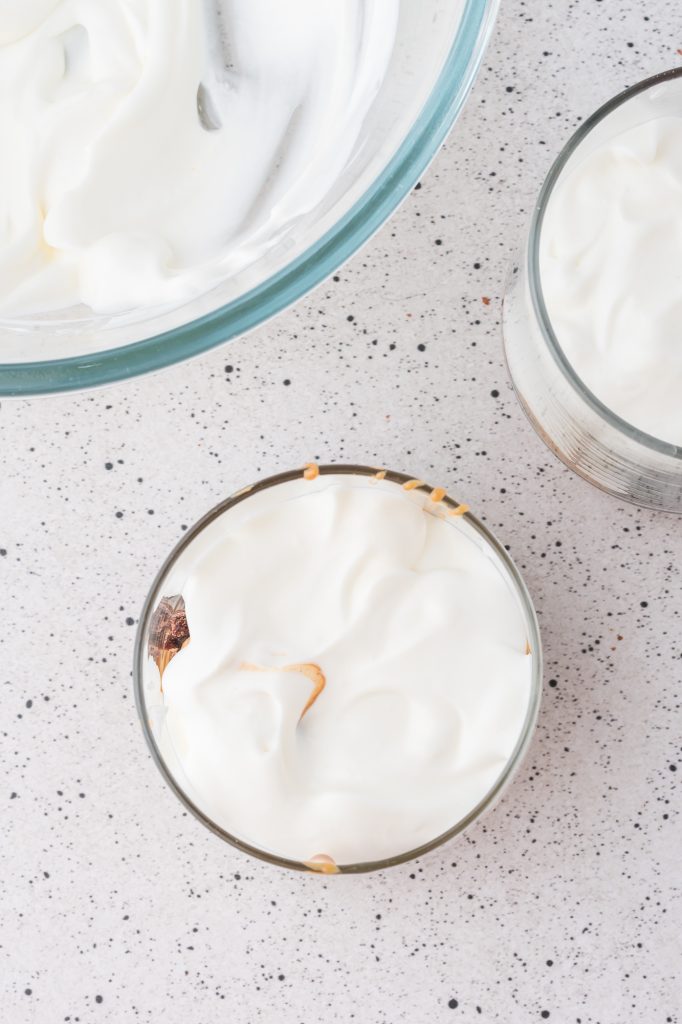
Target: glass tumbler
x=589, y=437
x=173, y=576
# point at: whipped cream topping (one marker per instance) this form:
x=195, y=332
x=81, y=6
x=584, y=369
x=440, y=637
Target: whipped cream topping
x=152, y=148
x=357, y=675
x=610, y=259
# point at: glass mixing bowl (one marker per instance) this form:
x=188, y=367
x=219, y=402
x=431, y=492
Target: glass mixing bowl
x=439, y=47
x=171, y=580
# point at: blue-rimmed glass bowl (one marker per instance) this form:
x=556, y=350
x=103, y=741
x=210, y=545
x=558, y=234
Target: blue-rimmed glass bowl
x=439, y=48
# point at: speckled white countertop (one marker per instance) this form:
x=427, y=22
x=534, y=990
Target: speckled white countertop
x=116, y=906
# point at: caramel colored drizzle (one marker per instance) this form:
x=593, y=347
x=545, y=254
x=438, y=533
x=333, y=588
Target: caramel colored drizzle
x=437, y=494
x=380, y=475
x=311, y=471
x=461, y=510
x=529, y=649
x=411, y=485
x=322, y=864
x=308, y=669
x=164, y=660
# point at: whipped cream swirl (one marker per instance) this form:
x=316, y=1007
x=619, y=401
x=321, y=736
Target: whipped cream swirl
x=611, y=259
x=357, y=676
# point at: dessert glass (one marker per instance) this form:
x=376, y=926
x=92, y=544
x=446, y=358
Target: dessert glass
x=169, y=582
x=591, y=439
x=439, y=48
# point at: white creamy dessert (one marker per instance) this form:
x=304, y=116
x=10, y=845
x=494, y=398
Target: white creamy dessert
x=358, y=673
x=152, y=148
x=611, y=262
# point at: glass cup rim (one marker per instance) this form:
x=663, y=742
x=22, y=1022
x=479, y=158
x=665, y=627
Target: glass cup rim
x=515, y=759
x=619, y=424
x=289, y=284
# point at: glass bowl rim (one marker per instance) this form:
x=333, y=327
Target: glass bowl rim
x=292, y=282
x=619, y=424
x=515, y=758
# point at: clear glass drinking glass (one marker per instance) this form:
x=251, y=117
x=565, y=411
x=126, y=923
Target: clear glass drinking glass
x=590, y=438
x=170, y=582
x=439, y=47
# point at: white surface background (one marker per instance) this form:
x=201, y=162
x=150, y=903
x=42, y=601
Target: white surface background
x=565, y=901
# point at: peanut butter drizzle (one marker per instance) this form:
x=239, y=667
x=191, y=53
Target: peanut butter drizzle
x=529, y=649
x=461, y=510
x=380, y=475
x=412, y=484
x=322, y=864
x=311, y=471
x=308, y=669
x=437, y=494
x=165, y=659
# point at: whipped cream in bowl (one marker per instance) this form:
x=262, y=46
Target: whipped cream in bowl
x=161, y=146
x=592, y=308
x=174, y=172
x=338, y=669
